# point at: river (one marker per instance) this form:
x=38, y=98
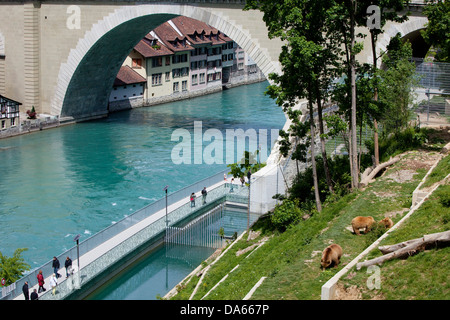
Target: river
x=78, y=179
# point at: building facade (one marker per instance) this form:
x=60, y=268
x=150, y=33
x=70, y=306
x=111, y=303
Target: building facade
x=184, y=58
x=9, y=113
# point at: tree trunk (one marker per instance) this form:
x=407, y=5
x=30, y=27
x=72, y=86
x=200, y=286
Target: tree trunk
x=369, y=175
x=322, y=145
x=313, y=160
x=409, y=248
x=354, y=146
x=375, y=98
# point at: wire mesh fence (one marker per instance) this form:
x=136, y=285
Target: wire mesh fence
x=433, y=93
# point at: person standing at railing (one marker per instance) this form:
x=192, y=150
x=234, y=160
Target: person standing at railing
x=25, y=291
x=193, y=199
x=204, y=194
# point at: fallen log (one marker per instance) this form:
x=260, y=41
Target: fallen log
x=409, y=248
x=394, y=247
x=368, y=176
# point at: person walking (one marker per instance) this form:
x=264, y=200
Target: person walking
x=41, y=281
x=204, y=194
x=242, y=180
x=56, y=265
x=193, y=196
x=25, y=291
x=68, y=265
x=34, y=295
x=53, y=283
x=231, y=184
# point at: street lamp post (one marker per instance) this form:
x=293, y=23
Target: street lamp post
x=167, y=221
x=77, y=239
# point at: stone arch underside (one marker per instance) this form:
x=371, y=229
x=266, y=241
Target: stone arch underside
x=86, y=80
x=406, y=29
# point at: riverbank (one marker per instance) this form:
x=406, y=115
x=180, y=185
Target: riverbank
x=45, y=121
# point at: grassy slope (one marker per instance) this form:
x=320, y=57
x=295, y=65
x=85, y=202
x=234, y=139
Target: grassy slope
x=423, y=276
x=291, y=260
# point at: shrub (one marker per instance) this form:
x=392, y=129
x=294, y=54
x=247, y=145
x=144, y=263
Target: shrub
x=286, y=215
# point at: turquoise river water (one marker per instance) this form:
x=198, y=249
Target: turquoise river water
x=78, y=179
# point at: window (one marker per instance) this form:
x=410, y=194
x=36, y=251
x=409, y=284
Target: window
x=194, y=79
x=156, y=79
x=168, y=76
x=157, y=62
x=3, y=124
x=184, y=71
x=214, y=76
x=180, y=58
x=175, y=73
x=136, y=63
x=194, y=65
x=202, y=77
x=167, y=61
x=176, y=87
x=13, y=122
x=184, y=85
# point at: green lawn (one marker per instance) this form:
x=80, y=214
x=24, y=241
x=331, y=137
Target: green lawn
x=423, y=276
x=291, y=260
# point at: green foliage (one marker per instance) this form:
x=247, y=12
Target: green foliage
x=286, y=214
x=339, y=168
x=437, y=32
x=408, y=139
x=12, y=268
x=248, y=162
x=396, y=85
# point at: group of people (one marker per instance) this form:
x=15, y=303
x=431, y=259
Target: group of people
x=204, y=192
x=193, y=196
x=53, y=279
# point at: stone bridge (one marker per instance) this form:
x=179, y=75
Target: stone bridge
x=62, y=56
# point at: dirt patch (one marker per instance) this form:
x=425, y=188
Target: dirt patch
x=352, y=293
x=401, y=176
x=347, y=293
x=393, y=214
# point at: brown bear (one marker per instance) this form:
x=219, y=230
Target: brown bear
x=362, y=223
x=386, y=222
x=331, y=255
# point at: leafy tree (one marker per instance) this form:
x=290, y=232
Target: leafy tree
x=309, y=60
x=396, y=85
x=248, y=162
x=12, y=268
x=437, y=32
x=388, y=11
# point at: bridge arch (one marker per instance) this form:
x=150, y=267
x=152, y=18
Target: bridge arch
x=408, y=30
x=86, y=79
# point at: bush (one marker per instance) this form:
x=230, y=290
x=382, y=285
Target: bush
x=286, y=215
x=408, y=139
